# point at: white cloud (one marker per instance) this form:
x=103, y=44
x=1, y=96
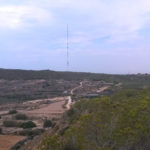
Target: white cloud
x=121, y=19
x=19, y=16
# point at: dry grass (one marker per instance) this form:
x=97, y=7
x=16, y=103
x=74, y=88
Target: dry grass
x=7, y=141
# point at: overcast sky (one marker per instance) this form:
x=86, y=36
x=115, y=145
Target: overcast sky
x=106, y=36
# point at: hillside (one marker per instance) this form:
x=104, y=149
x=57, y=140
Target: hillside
x=131, y=80
x=22, y=85
x=118, y=119
x=118, y=122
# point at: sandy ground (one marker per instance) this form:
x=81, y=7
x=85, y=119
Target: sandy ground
x=102, y=89
x=69, y=102
x=47, y=110
x=7, y=141
x=3, y=112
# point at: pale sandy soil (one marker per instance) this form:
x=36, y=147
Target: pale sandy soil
x=41, y=100
x=69, y=102
x=102, y=89
x=47, y=110
x=7, y=141
x=3, y=112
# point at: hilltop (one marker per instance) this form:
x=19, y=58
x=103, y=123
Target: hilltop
x=16, y=74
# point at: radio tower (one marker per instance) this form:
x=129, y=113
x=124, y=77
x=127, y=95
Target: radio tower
x=67, y=48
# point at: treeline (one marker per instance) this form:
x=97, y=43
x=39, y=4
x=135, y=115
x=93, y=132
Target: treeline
x=119, y=122
x=130, y=81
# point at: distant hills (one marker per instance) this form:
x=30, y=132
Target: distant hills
x=21, y=85
x=16, y=74
x=135, y=80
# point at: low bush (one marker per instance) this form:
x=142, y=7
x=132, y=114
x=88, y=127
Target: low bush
x=28, y=124
x=47, y=123
x=13, y=111
x=0, y=130
x=21, y=117
x=30, y=132
x=11, y=123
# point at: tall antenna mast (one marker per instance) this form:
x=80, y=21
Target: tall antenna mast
x=67, y=47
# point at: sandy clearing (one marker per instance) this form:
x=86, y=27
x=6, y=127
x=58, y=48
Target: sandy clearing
x=41, y=100
x=102, y=89
x=7, y=141
x=55, y=108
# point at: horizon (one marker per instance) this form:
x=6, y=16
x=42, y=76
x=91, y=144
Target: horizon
x=105, y=36
x=73, y=71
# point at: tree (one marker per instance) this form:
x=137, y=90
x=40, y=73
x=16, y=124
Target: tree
x=47, y=123
x=13, y=111
x=0, y=130
x=28, y=124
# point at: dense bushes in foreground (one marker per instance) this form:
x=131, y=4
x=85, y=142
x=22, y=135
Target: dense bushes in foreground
x=121, y=122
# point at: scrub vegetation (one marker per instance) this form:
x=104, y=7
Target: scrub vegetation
x=24, y=85
x=118, y=122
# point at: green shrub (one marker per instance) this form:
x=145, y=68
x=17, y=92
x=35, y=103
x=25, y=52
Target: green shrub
x=11, y=123
x=30, y=132
x=0, y=130
x=47, y=123
x=21, y=117
x=50, y=143
x=13, y=111
x=70, y=112
x=28, y=124
x=69, y=146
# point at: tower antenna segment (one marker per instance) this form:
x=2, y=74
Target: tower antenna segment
x=67, y=47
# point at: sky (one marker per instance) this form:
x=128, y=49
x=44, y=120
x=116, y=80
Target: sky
x=105, y=36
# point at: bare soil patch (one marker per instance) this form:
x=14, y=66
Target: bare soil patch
x=49, y=110
x=7, y=141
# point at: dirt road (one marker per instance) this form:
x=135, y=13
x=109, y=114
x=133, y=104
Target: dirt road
x=72, y=91
x=68, y=106
x=69, y=102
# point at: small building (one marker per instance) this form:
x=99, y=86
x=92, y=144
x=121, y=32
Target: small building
x=65, y=92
